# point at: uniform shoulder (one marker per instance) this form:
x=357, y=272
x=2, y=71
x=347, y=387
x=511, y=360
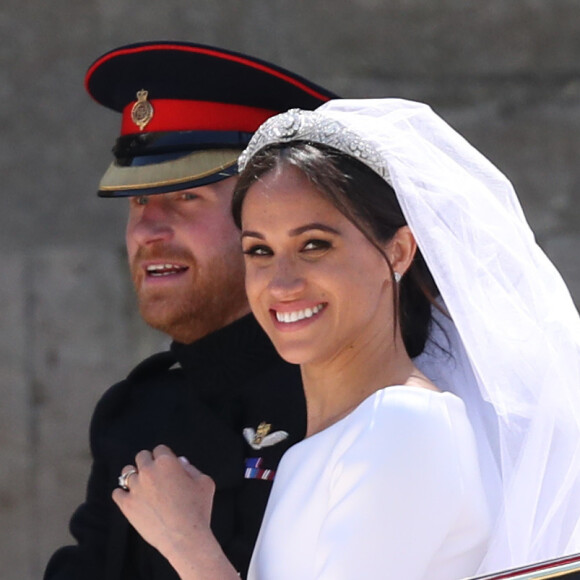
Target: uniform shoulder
x=147, y=371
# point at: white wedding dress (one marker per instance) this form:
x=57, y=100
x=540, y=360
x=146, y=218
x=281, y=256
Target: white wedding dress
x=393, y=491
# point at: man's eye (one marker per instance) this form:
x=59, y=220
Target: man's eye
x=141, y=200
x=258, y=250
x=189, y=196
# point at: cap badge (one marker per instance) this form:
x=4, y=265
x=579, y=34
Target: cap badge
x=261, y=437
x=142, y=111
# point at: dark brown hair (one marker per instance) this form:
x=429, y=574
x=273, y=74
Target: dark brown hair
x=370, y=203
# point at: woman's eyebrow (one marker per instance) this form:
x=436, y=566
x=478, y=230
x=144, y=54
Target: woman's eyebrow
x=295, y=231
x=250, y=234
x=313, y=226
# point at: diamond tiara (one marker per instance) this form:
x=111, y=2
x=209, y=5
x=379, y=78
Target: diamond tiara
x=299, y=125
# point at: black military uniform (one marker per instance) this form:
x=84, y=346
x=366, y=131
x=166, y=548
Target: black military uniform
x=227, y=402
x=198, y=399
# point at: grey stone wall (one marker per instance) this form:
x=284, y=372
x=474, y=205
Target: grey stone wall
x=505, y=73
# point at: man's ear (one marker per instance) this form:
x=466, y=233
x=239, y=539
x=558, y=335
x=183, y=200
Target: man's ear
x=401, y=250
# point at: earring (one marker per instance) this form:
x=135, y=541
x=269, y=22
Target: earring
x=397, y=276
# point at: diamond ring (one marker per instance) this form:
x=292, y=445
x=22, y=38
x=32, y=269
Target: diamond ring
x=124, y=478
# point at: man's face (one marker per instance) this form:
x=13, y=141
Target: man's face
x=186, y=261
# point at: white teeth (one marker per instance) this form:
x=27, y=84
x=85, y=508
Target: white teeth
x=155, y=267
x=163, y=269
x=298, y=314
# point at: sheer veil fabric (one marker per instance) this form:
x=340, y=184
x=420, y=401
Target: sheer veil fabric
x=511, y=350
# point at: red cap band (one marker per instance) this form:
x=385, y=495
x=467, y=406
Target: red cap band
x=177, y=115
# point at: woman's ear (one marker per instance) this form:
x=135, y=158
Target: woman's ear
x=401, y=250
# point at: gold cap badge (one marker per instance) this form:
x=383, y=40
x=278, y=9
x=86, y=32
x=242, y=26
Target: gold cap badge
x=142, y=111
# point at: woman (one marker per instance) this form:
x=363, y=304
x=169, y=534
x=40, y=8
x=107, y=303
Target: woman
x=471, y=465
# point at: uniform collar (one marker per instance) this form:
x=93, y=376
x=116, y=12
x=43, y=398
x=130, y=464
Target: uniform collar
x=226, y=357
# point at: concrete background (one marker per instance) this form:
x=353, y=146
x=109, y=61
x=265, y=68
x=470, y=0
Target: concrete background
x=505, y=73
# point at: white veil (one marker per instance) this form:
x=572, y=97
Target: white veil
x=512, y=349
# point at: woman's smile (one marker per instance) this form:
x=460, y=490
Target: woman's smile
x=296, y=315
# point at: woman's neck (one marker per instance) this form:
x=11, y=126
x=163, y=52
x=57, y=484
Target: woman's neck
x=334, y=388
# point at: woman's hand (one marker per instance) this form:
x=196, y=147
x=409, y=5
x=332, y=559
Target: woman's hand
x=169, y=503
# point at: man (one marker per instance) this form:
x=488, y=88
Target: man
x=220, y=396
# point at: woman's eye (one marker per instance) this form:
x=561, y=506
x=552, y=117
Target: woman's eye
x=258, y=250
x=313, y=245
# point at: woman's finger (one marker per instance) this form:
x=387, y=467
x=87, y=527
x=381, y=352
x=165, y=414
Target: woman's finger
x=143, y=458
x=190, y=469
x=162, y=450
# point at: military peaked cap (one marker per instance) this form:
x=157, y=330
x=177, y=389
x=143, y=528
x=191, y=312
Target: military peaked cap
x=188, y=110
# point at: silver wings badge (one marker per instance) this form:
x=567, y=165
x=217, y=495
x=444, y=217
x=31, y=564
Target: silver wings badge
x=262, y=437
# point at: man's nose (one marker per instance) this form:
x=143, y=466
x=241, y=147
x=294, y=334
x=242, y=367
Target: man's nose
x=153, y=225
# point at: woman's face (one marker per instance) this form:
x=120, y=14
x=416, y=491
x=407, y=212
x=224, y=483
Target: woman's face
x=317, y=286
